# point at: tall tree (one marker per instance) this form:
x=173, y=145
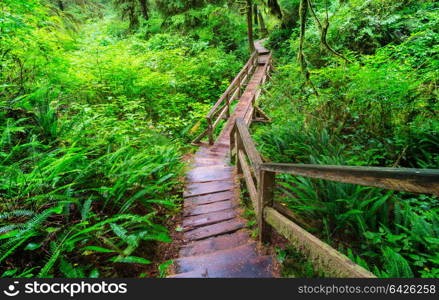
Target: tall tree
x=144, y=8
x=275, y=9
x=133, y=9
x=285, y=10
x=262, y=25
x=250, y=25
x=173, y=7
x=60, y=5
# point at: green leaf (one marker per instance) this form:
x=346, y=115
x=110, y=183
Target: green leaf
x=9, y=273
x=98, y=249
x=94, y=273
x=32, y=246
x=51, y=229
x=163, y=268
x=130, y=260
x=9, y=234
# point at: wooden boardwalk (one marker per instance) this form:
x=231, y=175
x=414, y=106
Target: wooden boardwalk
x=216, y=241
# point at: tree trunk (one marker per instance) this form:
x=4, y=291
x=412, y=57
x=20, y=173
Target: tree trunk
x=134, y=21
x=250, y=25
x=264, y=30
x=144, y=6
x=275, y=8
x=61, y=5
x=303, y=12
x=255, y=15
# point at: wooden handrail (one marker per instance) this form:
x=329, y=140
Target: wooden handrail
x=248, y=144
x=261, y=191
x=233, y=84
x=399, y=179
x=326, y=258
x=222, y=108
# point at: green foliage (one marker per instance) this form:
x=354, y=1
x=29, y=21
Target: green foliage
x=173, y=7
x=213, y=23
x=92, y=123
x=379, y=110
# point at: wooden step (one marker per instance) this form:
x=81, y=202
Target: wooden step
x=219, y=149
x=233, y=256
x=210, y=198
x=209, y=208
x=199, y=189
x=258, y=267
x=212, y=155
x=215, y=229
x=262, y=61
x=210, y=173
x=205, y=162
x=214, y=244
x=190, y=223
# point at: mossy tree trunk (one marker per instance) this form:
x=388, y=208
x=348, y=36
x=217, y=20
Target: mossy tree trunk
x=144, y=7
x=262, y=26
x=250, y=25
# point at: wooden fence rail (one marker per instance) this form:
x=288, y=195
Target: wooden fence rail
x=260, y=182
x=222, y=108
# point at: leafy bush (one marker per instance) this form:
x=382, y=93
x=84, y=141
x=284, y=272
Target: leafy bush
x=379, y=110
x=92, y=124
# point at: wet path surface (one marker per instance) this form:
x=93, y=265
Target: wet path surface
x=216, y=243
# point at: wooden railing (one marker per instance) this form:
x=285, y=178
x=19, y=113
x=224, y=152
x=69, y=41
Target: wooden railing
x=260, y=182
x=222, y=109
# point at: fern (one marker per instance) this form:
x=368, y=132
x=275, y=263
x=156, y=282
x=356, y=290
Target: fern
x=395, y=265
x=50, y=263
x=86, y=208
x=17, y=213
x=69, y=271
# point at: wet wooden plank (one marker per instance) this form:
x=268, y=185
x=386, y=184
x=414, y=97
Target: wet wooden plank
x=198, y=189
x=190, y=223
x=212, y=155
x=259, y=267
x=210, y=173
x=210, y=198
x=215, y=229
x=205, y=162
x=209, y=208
x=227, y=257
x=210, y=245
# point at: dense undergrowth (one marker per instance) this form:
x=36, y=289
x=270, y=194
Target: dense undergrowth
x=379, y=109
x=94, y=119
x=99, y=100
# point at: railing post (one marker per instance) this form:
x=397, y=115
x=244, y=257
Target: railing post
x=210, y=131
x=228, y=106
x=239, y=147
x=232, y=140
x=254, y=106
x=265, y=199
x=255, y=61
x=239, y=87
